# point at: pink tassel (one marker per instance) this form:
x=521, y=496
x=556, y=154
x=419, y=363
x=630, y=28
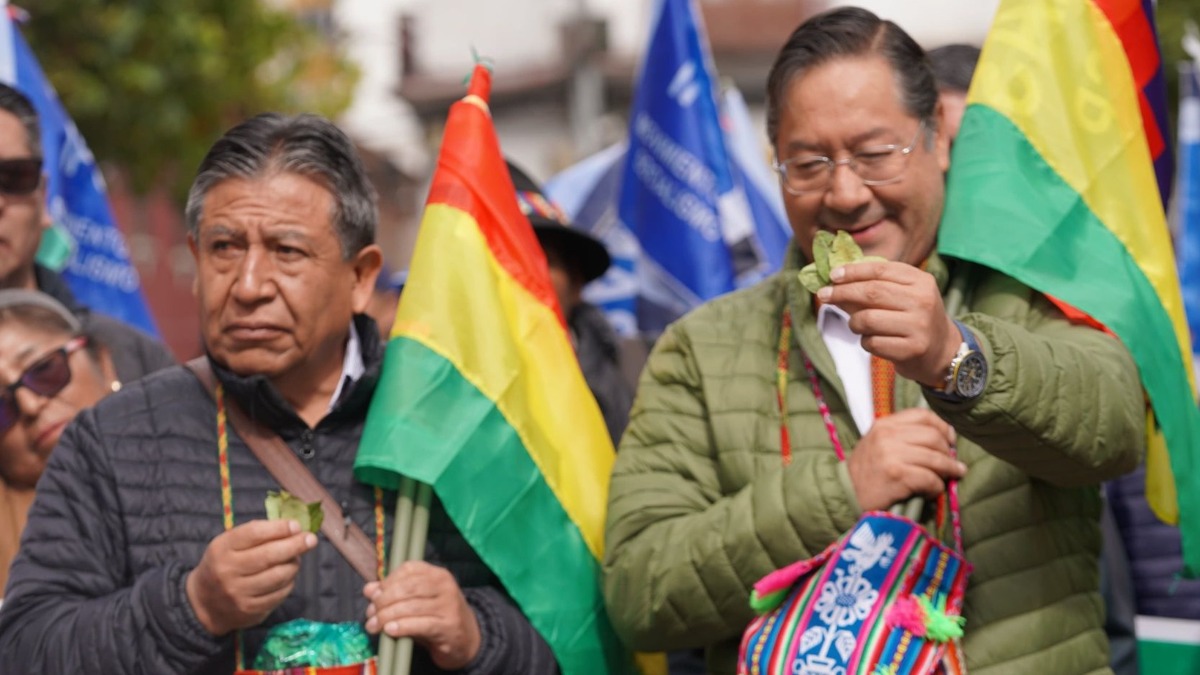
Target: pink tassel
x=907, y=613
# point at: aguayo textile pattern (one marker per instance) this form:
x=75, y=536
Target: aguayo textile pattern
x=1054, y=182
x=481, y=396
x=878, y=602
x=368, y=668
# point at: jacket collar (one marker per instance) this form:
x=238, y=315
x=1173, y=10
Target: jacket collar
x=262, y=401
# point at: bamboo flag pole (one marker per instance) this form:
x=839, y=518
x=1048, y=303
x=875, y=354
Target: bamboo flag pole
x=410, y=531
x=401, y=528
x=418, y=535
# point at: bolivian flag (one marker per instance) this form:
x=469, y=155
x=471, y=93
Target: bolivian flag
x=1053, y=181
x=481, y=396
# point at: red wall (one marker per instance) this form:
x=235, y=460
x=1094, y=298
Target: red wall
x=156, y=235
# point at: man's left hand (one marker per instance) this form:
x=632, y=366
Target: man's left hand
x=424, y=602
x=898, y=311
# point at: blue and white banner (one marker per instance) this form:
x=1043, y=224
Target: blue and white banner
x=99, y=271
x=687, y=206
x=1187, y=195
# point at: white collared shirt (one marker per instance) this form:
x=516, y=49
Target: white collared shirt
x=352, y=366
x=853, y=363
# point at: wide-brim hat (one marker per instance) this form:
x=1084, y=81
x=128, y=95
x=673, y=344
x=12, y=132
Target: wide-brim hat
x=579, y=250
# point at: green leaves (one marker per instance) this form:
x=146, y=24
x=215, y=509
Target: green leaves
x=829, y=252
x=151, y=85
x=283, y=505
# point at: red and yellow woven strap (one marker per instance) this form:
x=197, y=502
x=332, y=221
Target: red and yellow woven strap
x=227, y=506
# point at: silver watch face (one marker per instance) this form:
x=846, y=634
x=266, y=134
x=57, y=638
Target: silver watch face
x=971, y=375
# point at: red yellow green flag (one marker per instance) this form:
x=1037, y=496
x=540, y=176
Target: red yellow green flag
x=481, y=396
x=1053, y=182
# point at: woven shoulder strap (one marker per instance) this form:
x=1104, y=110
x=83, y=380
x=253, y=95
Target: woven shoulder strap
x=294, y=477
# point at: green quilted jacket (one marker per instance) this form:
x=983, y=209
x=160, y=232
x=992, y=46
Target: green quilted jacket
x=701, y=506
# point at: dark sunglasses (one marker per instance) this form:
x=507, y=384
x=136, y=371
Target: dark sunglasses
x=20, y=176
x=45, y=377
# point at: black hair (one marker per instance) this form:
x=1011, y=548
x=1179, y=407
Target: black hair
x=953, y=66
x=19, y=105
x=847, y=32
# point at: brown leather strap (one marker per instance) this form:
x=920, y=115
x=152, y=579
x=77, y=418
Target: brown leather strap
x=294, y=477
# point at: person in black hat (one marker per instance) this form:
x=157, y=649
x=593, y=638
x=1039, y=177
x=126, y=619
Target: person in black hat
x=575, y=259
x=383, y=302
x=953, y=66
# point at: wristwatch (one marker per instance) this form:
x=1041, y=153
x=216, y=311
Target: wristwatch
x=966, y=377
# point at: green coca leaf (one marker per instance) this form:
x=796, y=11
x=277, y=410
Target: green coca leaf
x=843, y=250
x=283, y=505
x=821, y=245
x=830, y=251
x=811, y=279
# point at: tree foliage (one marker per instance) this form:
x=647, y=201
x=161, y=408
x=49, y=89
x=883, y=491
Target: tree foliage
x=152, y=83
x=1171, y=18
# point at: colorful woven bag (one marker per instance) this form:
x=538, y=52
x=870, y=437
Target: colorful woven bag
x=886, y=599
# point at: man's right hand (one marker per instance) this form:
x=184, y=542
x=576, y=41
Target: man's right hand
x=904, y=454
x=247, y=572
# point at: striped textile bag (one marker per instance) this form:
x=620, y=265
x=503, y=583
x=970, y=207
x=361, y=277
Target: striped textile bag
x=886, y=599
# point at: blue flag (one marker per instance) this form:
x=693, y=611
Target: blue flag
x=751, y=167
x=687, y=207
x=588, y=192
x=99, y=272
x=1187, y=196
x=677, y=194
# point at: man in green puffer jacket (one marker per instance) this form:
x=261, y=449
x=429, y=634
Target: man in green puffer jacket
x=702, y=503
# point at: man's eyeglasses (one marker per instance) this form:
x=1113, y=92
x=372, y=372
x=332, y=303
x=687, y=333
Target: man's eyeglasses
x=20, y=176
x=45, y=377
x=875, y=165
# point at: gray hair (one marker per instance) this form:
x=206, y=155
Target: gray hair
x=19, y=105
x=307, y=145
x=848, y=32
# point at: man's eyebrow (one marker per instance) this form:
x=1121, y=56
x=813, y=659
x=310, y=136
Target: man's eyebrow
x=854, y=141
x=870, y=134
x=219, y=231
x=291, y=233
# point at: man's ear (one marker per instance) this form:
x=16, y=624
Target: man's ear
x=941, y=139
x=366, y=266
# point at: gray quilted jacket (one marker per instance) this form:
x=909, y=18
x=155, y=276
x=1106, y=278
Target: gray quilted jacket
x=129, y=501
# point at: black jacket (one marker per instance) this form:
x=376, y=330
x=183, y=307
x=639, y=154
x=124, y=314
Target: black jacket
x=130, y=499
x=1155, y=553
x=134, y=353
x=596, y=349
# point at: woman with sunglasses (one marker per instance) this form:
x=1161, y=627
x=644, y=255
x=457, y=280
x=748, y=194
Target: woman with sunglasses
x=49, y=371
